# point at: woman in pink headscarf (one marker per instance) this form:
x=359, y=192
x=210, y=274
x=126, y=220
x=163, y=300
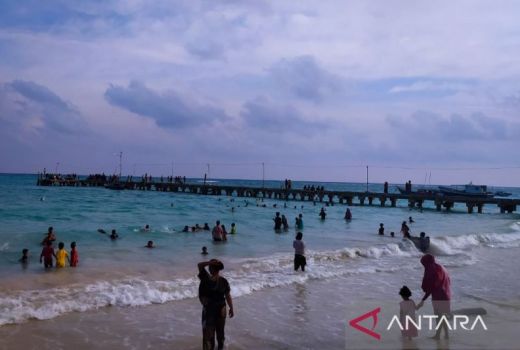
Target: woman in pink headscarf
x=436, y=282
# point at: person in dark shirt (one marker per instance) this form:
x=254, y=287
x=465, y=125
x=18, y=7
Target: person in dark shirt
x=381, y=230
x=214, y=293
x=424, y=242
x=323, y=214
x=277, y=222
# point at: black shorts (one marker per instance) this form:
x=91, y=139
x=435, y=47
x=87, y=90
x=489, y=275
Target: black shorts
x=299, y=260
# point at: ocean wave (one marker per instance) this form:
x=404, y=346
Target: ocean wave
x=245, y=276
x=454, y=245
x=248, y=276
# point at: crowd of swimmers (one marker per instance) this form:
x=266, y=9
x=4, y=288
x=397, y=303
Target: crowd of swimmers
x=281, y=223
x=422, y=242
x=49, y=257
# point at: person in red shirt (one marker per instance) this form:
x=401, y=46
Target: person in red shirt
x=74, y=256
x=47, y=254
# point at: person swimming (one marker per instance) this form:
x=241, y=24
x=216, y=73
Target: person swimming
x=146, y=228
x=114, y=235
x=25, y=256
x=149, y=245
x=348, y=215
x=323, y=214
x=204, y=251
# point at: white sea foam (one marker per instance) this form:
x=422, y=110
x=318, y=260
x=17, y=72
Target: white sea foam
x=4, y=246
x=246, y=276
x=249, y=276
x=453, y=245
x=515, y=226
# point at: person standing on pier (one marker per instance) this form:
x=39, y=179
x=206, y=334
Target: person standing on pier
x=385, y=187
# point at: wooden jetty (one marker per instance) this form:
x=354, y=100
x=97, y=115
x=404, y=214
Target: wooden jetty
x=415, y=200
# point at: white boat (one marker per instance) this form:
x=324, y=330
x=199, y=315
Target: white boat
x=469, y=190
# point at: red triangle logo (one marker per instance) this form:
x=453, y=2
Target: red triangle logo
x=371, y=314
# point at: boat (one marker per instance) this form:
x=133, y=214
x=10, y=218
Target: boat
x=419, y=190
x=469, y=190
x=502, y=194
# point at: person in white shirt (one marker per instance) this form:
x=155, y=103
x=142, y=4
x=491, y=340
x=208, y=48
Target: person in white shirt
x=299, y=252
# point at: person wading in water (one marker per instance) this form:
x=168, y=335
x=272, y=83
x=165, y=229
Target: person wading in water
x=214, y=292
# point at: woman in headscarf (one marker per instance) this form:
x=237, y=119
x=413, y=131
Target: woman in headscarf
x=436, y=282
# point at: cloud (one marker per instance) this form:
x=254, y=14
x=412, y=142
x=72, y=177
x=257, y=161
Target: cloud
x=430, y=86
x=168, y=109
x=28, y=101
x=424, y=126
x=304, y=78
x=263, y=114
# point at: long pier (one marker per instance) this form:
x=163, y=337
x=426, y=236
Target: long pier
x=415, y=200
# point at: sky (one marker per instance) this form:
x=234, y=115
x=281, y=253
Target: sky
x=415, y=90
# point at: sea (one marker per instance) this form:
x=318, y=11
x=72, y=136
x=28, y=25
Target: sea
x=125, y=296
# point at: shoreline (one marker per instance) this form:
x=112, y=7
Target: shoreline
x=308, y=315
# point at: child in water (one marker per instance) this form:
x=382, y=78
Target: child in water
x=61, y=255
x=74, y=257
x=233, y=229
x=47, y=254
x=407, y=310
x=299, y=252
x=149, y=244
x=25, y=256
x=204, y=251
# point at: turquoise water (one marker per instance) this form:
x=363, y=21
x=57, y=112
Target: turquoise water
x=124, y=273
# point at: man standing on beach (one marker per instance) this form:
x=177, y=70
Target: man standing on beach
x=214, y=293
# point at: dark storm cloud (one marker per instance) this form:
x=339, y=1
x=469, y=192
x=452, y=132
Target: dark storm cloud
x=33, y=99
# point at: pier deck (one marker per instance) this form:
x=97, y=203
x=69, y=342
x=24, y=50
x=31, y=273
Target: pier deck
x=415, y=200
